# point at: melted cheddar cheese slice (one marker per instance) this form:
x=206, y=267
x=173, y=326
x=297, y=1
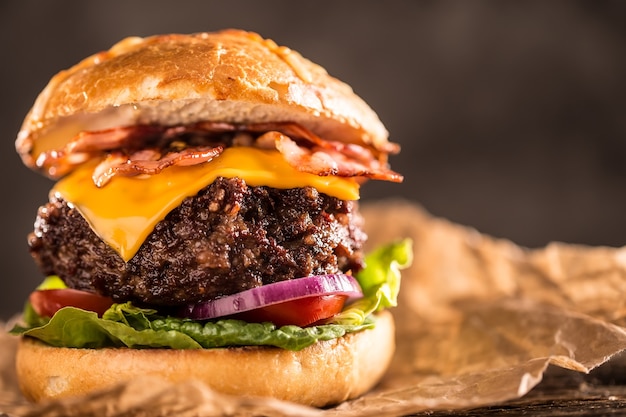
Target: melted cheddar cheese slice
x=124, y=212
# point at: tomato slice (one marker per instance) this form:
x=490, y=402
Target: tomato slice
x=48, y=302
x=300, y=312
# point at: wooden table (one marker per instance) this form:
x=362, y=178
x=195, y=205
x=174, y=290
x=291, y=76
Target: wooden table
x=563, y=393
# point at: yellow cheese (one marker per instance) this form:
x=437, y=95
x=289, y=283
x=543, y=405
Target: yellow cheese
x=125, y=211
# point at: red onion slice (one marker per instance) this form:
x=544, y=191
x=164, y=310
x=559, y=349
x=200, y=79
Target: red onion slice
x=275, y=293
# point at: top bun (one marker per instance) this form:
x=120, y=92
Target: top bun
x=231, y=76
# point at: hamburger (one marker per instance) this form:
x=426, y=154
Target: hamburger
x=204, y=224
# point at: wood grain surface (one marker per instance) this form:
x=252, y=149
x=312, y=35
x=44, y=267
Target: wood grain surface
x=564, y=393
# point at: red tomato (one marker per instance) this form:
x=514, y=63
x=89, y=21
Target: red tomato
x=48, y=302
x=301, y=312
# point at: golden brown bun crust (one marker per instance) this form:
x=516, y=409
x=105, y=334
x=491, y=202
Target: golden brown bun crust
x=231, y=76
x=325, y=373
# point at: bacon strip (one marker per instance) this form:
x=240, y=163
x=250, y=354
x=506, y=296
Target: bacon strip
x=149, y=162
x=137, y=150
x=324, y=162
x=295, y=130
x=351, y=159
x=90, y=144
x=110, y=139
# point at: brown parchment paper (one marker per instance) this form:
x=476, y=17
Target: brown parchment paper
x=479, y=320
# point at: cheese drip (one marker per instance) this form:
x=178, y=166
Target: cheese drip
x=124, y=212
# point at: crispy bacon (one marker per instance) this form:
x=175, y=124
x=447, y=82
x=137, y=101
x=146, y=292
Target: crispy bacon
x=324, y=162
x=297, y=131
x=90, y=144
x=149, y=162
x=111, y=139
x=142, y=149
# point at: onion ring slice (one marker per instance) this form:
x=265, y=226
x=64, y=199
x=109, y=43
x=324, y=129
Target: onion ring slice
x=278, y=292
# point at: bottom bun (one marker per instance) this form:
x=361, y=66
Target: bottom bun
x=324, y=373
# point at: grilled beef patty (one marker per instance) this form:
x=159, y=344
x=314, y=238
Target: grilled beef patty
x=228, y=238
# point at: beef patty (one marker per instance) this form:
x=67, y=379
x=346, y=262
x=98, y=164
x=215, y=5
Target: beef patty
x=228, y=238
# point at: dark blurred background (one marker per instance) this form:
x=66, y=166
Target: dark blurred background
x=511, y=114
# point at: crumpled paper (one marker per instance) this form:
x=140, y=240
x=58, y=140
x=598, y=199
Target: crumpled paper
x=479, y=320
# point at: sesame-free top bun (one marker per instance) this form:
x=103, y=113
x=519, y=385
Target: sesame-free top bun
x=324, y=373
x=232, y=76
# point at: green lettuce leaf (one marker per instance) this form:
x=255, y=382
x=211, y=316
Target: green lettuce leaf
x=126, y=325
x=380, y=282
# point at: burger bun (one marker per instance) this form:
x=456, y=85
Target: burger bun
x=325, y=373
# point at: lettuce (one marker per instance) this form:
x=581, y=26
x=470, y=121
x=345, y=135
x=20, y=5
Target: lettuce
x=380, y=282
x=125, y=325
